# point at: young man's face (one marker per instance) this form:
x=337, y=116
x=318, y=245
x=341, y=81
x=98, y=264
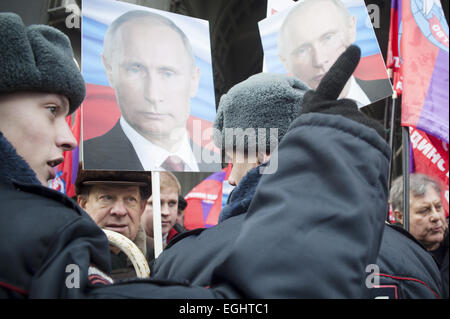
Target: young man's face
x=116, y=208
x=34, y=123
x=153, y=77
x=315, y=37
x=169, y=211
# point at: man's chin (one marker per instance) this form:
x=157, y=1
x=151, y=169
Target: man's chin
x=155, y=131
x=166, y=228
x=435, y=240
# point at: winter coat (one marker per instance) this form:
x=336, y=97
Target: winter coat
x=311, y=228
x=193, y=255
x=407, y=270
x=441, y=256
x=315, y=224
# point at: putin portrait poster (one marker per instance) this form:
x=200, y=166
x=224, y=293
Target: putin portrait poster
x=304, y=39
x=150, y=100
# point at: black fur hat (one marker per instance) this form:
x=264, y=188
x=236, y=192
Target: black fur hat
x=38, y=58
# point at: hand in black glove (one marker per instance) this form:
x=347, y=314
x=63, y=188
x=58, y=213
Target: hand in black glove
x=324, y=98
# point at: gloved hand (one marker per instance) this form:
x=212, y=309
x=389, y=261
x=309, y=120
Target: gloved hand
x=324, y=98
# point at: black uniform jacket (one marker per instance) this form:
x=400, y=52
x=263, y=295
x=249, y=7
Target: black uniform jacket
x=313, y=226
x=407, y=270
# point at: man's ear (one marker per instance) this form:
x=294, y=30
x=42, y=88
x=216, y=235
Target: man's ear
x=398, y=216
x=195, y=81
x=108, y=70
x=81, y=200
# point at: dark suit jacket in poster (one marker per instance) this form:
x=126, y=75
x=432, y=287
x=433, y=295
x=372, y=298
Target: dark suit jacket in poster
x=114, y=151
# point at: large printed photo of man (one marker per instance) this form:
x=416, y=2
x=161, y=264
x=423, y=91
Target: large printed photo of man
x=305, y=40
x=149, y=63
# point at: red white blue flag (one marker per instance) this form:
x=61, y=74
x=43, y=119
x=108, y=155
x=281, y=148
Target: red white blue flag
x=205, y=201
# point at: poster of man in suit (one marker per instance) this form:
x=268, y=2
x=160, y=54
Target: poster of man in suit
x=150, y=98
x=305, y=38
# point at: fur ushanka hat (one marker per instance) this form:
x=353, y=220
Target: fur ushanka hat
x=263, y=101
x=38, y=58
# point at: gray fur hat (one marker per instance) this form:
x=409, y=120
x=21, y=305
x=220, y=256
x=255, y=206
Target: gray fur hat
x=38, y=58
x=263, y=101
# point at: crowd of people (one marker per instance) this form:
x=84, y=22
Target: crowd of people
x=306, y=219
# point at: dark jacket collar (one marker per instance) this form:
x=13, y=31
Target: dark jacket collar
x=242, y=195
x=13, y=167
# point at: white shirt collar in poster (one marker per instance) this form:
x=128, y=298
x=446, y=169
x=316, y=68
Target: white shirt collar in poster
x=357, y=94
x=152, y=156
